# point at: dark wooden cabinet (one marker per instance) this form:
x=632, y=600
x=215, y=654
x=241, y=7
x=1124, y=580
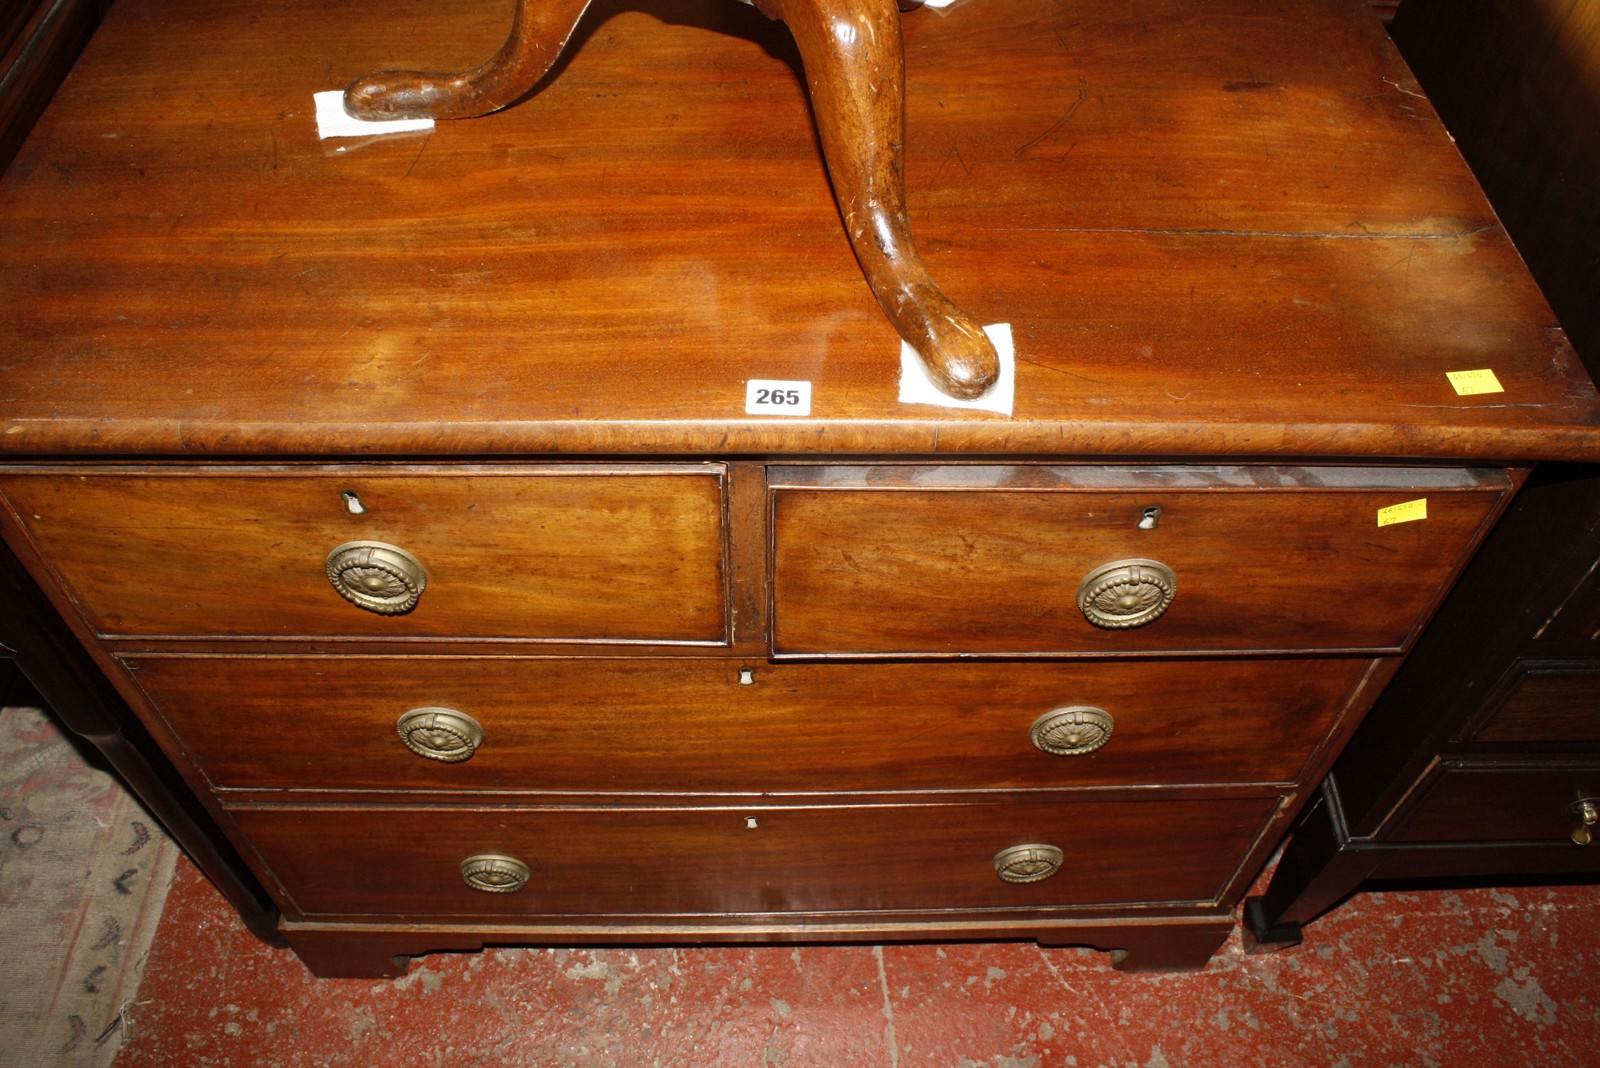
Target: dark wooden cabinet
x=406, y=490
x=39, y=40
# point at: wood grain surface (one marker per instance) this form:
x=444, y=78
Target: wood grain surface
x=711, y=861
x=579, y=552
x=655, y=727
x=1209, y=235
x=918, y=561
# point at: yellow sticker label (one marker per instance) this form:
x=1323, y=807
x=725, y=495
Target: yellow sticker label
x=1409, y=512
x=1469, y=383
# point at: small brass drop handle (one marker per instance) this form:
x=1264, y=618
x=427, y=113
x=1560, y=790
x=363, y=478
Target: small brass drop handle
x=1030, y=863
x=1073, y=731
x=1588, y=813
x=1127, y=593
x=441, y=734
x=379, y=577
x=495, y=873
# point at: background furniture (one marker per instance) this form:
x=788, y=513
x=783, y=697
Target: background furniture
x=335, y=455
x=1478, y=762
x=39, y=39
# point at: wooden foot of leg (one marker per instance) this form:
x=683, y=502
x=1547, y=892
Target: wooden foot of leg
x=1182, y=949
x=371, y=952
x=855, y=69
x=347, y=956
x=1177, y=946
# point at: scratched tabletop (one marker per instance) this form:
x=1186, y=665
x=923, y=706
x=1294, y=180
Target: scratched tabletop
x=1215, y=227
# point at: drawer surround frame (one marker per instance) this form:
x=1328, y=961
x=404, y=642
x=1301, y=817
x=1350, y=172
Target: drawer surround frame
x=1161, y=935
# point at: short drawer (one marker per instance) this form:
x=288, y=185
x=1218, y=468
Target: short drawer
x=562, y=553
x=1545, y=702
x=961, y=560
x=1477, y=803
x=647, y=725
x=721, y=861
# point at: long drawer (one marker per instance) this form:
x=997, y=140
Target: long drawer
x=657, y=724
x=958, y=560
x=1544, y=702
x=1502, y=802
x=580, y=552
x=720, y=861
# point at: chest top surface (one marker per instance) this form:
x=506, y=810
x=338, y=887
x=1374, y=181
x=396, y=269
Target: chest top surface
x=1230, y=228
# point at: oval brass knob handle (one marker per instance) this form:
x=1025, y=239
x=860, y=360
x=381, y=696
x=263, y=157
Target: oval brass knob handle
x=1029, y=863
x=440, y=734
x=1127, y=593
x=1588, y=813
x=376, y=576
x=1072, y=731
x=495, y=873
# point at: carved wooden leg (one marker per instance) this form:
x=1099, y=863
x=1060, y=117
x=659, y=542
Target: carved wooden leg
x=855, y=67
x=539, y=31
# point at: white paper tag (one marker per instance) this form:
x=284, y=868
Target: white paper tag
x=917, y=388
x=773, y=396
x=334, y=121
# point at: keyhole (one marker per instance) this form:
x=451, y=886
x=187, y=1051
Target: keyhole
x=1150, y=518
x=747, y=677
x=352, y=503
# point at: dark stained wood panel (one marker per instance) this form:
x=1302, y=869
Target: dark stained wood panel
x=1500, y=803
x=1518, y=84
x=580, y=553
x=1552, y=703
x=39, y=39
x=871, y=562
x=710, y=861
x=680, y=726
x=1209, y=237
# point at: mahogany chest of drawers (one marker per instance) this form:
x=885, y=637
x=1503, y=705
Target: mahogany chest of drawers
x=405, y=488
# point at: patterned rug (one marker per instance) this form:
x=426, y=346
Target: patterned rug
x=84, y=872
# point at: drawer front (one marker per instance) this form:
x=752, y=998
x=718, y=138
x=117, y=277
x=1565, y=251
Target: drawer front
x=948, y=561
x=1500, y=804
x=1546, y=703
x=643, y=725
x=581, y=553
x=719, y=861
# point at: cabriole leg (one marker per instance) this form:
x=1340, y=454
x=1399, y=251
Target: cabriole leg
x=855, y=71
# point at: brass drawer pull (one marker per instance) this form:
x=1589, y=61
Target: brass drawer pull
x=440, y=734
x=378, y=577
x=1030, y=863
x=495, y=873
x=1072, y=731
x=1127, y=593
x=1588, y=813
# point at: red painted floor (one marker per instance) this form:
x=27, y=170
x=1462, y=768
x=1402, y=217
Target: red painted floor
x=1460, y=978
